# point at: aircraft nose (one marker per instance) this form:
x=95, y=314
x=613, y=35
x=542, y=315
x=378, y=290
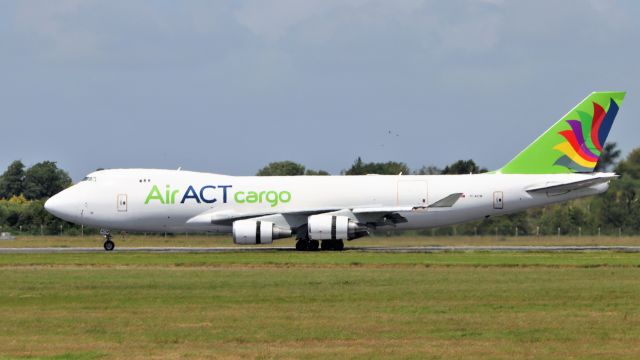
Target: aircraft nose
x=62, y=205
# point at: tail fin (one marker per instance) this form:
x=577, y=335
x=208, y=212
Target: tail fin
x=573, y=144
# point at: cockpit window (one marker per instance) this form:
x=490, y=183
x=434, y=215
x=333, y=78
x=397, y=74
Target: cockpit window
x=89, y=178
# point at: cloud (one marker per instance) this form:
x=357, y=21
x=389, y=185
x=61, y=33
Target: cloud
x=45, y=22
x=123, y=33
x=461, y=25
x=333, y=70
x=272, y=20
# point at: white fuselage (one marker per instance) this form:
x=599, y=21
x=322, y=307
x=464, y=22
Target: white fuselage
x=127, y=200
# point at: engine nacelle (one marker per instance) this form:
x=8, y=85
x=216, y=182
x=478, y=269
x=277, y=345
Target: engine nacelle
x=332, y=227
x=251, y=232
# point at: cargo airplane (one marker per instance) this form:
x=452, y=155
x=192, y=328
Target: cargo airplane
x=323, y=211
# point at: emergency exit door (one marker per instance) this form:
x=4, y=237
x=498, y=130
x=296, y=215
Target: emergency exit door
x=122, y=203
x=498, y=200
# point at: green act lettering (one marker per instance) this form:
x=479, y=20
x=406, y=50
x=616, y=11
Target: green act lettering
x=207, y=194
x=252, y=197
x=168, y=198
x=284, y=196
x=154, y=194
x=171, y=195
x=273, y=198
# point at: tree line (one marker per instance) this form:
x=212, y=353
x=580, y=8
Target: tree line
x=359, y=167
x=23, y=192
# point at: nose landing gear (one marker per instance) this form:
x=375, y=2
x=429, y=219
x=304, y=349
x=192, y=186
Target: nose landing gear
x=109, y=245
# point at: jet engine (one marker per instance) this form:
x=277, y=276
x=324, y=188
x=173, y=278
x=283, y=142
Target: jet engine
x=250, y=232
x=332, y=227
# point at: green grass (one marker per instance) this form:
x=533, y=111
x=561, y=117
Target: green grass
x=349, y=259
x=320, y=305
x=182, y=240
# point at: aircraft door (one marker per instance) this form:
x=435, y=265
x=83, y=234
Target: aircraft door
x=412, y=192
x=122, y=203
x=498, y=201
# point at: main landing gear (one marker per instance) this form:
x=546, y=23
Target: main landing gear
x=109, y=245
x=336, y=245
x=313, y=245
x=307, y=245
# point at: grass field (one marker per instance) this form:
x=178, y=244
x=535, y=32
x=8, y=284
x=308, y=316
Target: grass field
x=320, y=305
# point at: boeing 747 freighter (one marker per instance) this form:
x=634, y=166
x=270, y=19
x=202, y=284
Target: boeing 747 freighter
x=323, y=211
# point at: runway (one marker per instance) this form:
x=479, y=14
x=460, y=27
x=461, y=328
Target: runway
x=380, y=249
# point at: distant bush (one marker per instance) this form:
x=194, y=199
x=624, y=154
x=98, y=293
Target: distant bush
x=29, y=217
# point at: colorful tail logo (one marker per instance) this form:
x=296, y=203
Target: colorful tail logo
x=575, y=142
x=578, y=155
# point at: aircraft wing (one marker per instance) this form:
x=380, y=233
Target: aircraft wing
x=394, y=215
x=573, y=185
x=211, y=217
x=372, y=216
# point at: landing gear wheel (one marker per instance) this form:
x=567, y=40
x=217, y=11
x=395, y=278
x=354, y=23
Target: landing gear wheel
x=307, y=245
x=313, y=245
x=337, y=245
x=109, y=245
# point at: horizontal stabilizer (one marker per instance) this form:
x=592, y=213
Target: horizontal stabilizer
x=574, y=185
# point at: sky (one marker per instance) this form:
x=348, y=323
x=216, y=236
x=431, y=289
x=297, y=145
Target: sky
x=229, y=86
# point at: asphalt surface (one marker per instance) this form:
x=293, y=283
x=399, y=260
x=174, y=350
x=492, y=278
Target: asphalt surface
x=383, y=249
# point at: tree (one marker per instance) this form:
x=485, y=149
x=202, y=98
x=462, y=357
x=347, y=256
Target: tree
x=630, y=167
x=281, y=168
x=12, y=181
x=428, y=170
x=316, y=172
x=359, y=167
x=619, y=207
x=609, y=155
x=463, y=167
x=44, y=179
